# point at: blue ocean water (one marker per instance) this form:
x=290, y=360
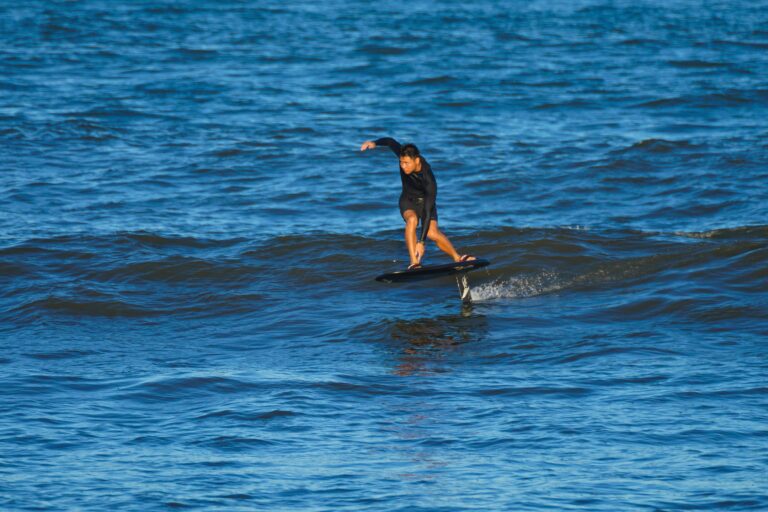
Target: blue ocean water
x=189, y=235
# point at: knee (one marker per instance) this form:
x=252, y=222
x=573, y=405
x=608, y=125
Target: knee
x=411, y=223
x=433, y=234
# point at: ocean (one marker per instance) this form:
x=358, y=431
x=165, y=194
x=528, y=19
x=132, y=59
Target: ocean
x=189, y=235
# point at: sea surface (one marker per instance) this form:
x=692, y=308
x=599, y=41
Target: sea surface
x=189, y=234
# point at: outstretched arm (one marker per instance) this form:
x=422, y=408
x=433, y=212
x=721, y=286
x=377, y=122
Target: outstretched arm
x=384, y=141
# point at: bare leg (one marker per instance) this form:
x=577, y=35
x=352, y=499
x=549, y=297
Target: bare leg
x=411, y=223
x=442, y=241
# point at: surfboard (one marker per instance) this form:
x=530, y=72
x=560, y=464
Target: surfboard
x=432, y=271
x=460, y=270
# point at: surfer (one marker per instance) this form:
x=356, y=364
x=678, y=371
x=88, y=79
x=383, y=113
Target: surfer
x=417, y=201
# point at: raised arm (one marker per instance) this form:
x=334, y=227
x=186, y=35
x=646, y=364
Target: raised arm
x=389, y=142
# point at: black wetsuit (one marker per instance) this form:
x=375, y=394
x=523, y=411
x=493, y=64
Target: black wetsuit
x=419, y=189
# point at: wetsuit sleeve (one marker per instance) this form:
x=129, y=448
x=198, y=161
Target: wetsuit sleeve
x=430, y=197
x=390, y=143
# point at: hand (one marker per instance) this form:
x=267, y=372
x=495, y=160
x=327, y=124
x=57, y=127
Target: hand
x=369, y=144
x=419, y=251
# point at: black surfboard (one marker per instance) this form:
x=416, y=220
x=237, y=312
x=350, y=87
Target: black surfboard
x=432, y=271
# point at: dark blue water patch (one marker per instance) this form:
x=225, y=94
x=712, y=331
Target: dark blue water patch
x=12, y=86
x=62, y=354
x=12, y=134
x=661, y=146
x=185, y=54
x=545, y=84
x=743, y=44
x=185, y=388
x=697, y=64
x=43, y=384
x=576, y=104
x=72, y=129
x=436, y=80
x=234, y=444
x=602, y=353
x=733, y=98
x=534, y=391
x=640, y=42
x=382, y=50
x=80, y=307
x=114, y=113
x=14, y=271
x=630, y=381
x=759, y=391
x=249, y=417
x=686, y=128
x=338, y=85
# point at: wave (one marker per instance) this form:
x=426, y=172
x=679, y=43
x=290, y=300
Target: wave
x=569, y=104
x=713, y=100
x=659, y=146
x=68, y=129
x=542, y=84
x=72, y=307
x=697, y=64
x=184, y=388
x=382, y=50
x=435, y=80
x=147, y=275
x=348, y=84
x=114, y=240
x=744, y=44
x=641, y=42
